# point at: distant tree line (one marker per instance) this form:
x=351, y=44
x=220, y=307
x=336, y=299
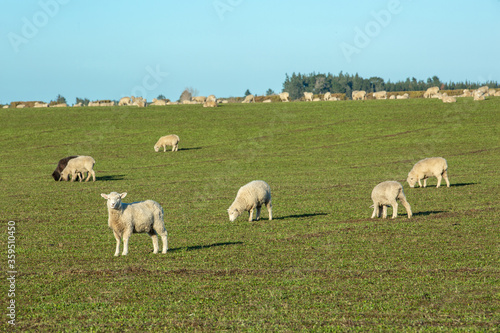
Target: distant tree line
x=317, y=83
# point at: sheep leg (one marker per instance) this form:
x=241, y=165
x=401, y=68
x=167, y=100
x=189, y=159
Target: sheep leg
x=394, y=205
x=439, y=178
x=257, y=216
x=126, y=236
x=163, y=235
x=406, y=205
x=425, y=182
x=420, y=183
x=270, y=210
x=250, y=218
x=384, y=211
x=164, y=148
x=88, y=176
x=93, y=175
x=376, y=210
x=117, y=237
x=445, y=176
x=154, y=237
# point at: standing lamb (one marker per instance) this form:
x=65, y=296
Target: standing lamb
x=429, y=167
x=250, y=196
x=284, y=96
x=60, y=167
x=137, y=217
x=385, y=194
x=77, y=165
x=308, y=96
x=167, y=140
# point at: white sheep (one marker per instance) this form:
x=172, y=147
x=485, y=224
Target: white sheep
x=137, y=217
x=79, y=165
x=308, y=96
x=429, y=167
x=250, y=196
x=167, y=140
x=385, y=194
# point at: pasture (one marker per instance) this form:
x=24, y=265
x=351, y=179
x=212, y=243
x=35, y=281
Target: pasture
x=322, y=264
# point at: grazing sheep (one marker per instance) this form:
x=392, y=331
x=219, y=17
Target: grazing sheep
x=79, y=164
x=430, y=92
x=284, y=96
x=60, y=105
x=308, y=96
x=380, y=94
x=139, y=101
x=429, y=167
x=404, y=96
x=448, y=99
x=167, y=140
x=60, y=167
x=358, y=95
x=385, y=194
x=267, y=101
x=41, y=105
x=124, y=101
x=249, y=99
x=250, y=196
x=137, y=217
x=158, y=102
x=327, y=96
x=210, y=104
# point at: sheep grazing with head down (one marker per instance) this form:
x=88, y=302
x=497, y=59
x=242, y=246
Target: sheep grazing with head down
x=249, y=197
x=79, y=165
x=60, y=167
x=167, y=140
x=385, y=194
x=429, y=167
x=137, y=217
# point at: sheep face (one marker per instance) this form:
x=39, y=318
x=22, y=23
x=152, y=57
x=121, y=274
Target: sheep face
x=233, y=214
x=114, y=199
x=411, y=180
x=157, y=148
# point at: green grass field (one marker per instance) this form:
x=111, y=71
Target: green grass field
x=320, y=265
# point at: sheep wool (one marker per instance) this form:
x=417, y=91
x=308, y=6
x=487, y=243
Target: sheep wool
x=249, y=197
x=385, y=194
x=429, y=167
x=137, y=217
x=78, y=165
x=167, y=140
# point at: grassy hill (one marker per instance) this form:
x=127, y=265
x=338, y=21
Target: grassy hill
x=320, y=265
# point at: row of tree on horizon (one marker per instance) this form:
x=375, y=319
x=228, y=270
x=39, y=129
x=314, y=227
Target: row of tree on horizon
x=318, y=83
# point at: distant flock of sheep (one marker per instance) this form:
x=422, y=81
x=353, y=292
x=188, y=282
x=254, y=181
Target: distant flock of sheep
x=147, y=216
x=211, y=101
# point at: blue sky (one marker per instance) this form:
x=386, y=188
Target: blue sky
x=109, y=49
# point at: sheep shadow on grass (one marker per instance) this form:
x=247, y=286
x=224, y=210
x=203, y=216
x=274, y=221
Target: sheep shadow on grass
x=110, y=178
x=193, y=148
x=201, y=247
x=298, y=216
x=427, y=213
x=462, y=184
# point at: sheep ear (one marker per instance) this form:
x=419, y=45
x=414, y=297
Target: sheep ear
x=123, y=195
x=105, y=196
